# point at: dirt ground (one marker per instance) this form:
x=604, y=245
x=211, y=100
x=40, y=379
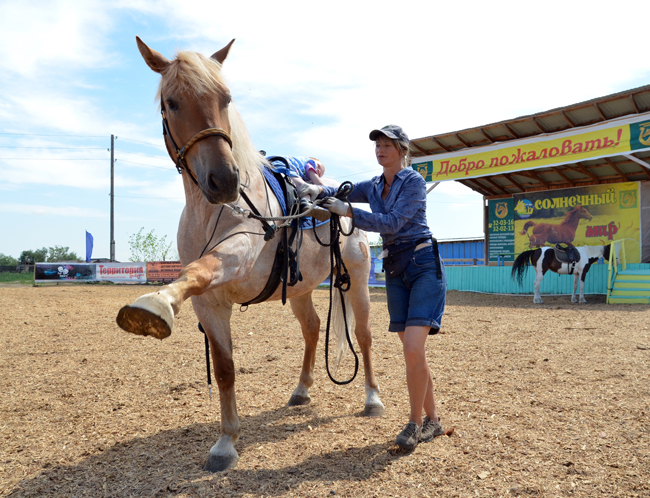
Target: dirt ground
x=546, y=400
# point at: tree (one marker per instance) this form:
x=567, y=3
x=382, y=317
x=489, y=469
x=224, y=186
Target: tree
x=45, y=255
x=31, y=257
x=60, y=253
x=7, y=260
x=148, y=247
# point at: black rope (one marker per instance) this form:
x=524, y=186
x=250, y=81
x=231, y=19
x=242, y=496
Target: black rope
x=341, y=280
x=207, y=358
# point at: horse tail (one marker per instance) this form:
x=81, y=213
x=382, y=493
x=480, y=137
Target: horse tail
x=527, y=226
x=520, y=266
x=337, y=326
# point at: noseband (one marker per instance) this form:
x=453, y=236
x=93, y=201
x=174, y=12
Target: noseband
x=181, y=164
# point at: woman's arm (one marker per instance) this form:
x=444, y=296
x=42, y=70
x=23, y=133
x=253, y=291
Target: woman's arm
x=411, y=198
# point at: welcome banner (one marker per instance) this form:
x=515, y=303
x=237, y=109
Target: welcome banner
x=607, y=139
x=593, y=216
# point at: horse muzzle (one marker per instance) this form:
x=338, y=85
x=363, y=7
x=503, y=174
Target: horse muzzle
x=220, y=185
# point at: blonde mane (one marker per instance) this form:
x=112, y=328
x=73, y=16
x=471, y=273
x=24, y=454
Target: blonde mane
x=195, y=75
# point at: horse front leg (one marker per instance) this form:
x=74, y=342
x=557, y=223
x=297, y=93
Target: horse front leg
x=153, y=314
x=215, y=320
x=303, y=309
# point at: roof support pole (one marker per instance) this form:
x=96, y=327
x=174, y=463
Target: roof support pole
x=637, y=160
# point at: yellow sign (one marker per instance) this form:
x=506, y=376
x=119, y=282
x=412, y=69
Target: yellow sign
x=567, y=147
x=582, y=216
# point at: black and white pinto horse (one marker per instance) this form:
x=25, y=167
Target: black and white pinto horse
x=548, y=258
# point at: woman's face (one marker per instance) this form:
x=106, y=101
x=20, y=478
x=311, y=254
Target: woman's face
x=387, y=154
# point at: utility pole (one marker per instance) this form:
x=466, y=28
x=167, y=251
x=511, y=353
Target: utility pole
x=112, y=252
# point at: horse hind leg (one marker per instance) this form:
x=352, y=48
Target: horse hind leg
x=303, y=309
x=356, y=255
x=576, y=279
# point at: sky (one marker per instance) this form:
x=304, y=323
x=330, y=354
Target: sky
x=308, y=78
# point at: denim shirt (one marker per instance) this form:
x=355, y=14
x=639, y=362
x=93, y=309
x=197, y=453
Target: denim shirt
x=402, y=217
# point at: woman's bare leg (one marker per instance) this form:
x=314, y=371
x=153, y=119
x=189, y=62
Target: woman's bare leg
x=418, y=374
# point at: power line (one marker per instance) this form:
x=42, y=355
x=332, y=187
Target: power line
x=140, y=154
x=159, y=198
x=41, y=159
x=143, y=164
x=145, y=143
x=54, y=148
x=44, y=135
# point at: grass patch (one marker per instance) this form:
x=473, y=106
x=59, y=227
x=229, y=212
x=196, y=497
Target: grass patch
x=22, y=278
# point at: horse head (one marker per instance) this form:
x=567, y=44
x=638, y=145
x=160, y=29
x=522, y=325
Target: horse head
x=582, y=212
x=195, y=105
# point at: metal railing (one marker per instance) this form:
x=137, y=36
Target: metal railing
x=612, y=271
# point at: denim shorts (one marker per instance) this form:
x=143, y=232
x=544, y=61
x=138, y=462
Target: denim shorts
x=417, y=296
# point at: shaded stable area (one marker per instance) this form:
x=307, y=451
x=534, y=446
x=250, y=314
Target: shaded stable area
x=546, y=400
x=598, y=142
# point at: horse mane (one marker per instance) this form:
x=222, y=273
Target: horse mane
x=196, y=75
x=570, y=214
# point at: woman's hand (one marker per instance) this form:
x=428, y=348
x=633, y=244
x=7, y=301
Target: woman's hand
x=337, y=206
x=309, y=191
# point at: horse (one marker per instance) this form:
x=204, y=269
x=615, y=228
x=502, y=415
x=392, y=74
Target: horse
x=562, y=233
x=545, y=258
x=225, y=255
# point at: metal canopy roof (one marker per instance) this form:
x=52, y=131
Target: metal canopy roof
x=589, y=172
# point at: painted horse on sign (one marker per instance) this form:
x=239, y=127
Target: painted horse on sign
x=225, y=255
x=554, y=259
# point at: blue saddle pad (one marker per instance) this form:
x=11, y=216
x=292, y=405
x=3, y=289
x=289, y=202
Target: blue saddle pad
x=306, y=223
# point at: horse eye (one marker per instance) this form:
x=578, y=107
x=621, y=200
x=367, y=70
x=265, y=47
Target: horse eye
x=171, y=105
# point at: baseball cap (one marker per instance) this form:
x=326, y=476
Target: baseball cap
x=391, y=131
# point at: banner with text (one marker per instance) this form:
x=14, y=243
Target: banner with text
x=548, y=150
x=501, y=230
x=64, y=272
x=593, y=216
x=163, y=271
x=122, y=273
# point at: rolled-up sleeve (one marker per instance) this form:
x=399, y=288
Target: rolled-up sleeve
x=411, y=198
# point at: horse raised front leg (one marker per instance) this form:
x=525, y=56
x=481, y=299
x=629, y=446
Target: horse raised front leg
x=303, y=309
x=153, y=314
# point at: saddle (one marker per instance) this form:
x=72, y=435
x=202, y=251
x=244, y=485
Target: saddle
x=286, y=265
x=568, y=254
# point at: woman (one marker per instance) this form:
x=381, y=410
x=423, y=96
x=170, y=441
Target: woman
x=415, y=277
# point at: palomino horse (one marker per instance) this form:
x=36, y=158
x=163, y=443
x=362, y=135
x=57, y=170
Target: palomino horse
x=225, y=256
x=562, y=233
x=545, y=259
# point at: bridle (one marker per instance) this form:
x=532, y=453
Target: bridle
x=181, y=164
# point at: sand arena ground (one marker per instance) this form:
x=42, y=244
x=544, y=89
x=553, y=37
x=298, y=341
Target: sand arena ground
x=546, y=400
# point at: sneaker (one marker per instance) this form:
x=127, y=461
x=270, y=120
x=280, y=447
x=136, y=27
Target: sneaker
x=409, y=437
x=430, y=429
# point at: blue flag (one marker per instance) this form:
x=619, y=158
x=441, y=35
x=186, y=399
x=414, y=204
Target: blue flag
x=89, y=246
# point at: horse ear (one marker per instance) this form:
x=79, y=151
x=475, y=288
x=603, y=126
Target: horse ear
x=221, y=55
x=155, y=60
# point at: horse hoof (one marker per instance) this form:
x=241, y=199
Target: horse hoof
x=296, y=400
x=148, y=315
x=374, y=411
x=142, y=322
x=219, y=463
